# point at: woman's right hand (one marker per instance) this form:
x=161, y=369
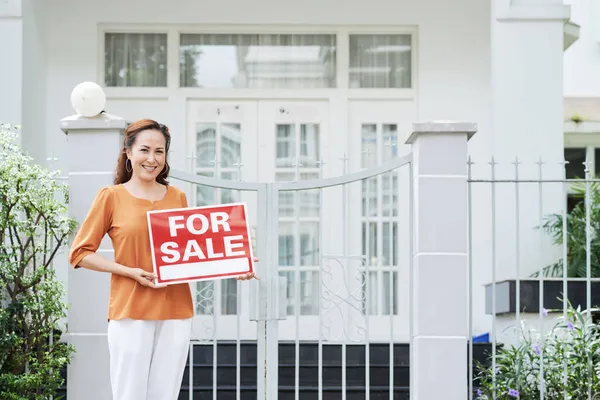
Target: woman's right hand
x=143, y=277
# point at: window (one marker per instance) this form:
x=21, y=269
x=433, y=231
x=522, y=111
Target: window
x=380, y=61
x=379, y=221
x=576, y=157
x=257, y=61
x=580, y=149
x=135, y=59
x=297, y=158
x=217, y=152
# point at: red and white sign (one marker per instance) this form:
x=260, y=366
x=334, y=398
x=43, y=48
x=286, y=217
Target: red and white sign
x=200, y=243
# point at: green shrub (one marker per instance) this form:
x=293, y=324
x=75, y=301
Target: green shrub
x=576, y=235
x=33, y=228
x=568, y=356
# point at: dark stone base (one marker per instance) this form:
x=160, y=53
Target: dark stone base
x=506, y=295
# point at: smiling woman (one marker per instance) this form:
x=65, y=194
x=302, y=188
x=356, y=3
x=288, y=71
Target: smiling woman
x=145, y=158
x=149, y=325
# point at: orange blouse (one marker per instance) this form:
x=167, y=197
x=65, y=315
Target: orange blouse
x=117, y=212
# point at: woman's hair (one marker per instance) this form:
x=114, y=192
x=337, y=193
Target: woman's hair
x=131, y=133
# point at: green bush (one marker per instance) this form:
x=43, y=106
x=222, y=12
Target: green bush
x=576, y=235
x=568, y=356
x=33, y=228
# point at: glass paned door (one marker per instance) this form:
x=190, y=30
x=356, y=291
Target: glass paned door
x=378, y=135
x=222, y=143
x=293, y=139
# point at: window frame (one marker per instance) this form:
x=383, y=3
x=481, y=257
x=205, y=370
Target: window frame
x=583, y=136
x=342, y=34
x=166, y=37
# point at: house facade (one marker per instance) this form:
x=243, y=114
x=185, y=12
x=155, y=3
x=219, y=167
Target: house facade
x=274, y=91
x=582, y=89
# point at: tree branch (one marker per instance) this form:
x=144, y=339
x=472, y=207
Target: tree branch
x=28, y=243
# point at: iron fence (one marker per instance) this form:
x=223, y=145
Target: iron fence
x=533, y=247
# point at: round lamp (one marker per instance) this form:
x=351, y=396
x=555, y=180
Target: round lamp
x=88, y=99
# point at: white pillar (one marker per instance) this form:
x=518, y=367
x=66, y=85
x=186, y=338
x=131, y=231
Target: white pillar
x=527, y=77
x=11, y=78
x=93, y=146
x=440, y=268
x=528, y=123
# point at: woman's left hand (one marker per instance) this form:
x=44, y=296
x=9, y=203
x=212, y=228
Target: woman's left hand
x=250, y=275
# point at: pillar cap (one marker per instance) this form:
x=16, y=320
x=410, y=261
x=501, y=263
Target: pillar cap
x=445, y=127
x=102, y=121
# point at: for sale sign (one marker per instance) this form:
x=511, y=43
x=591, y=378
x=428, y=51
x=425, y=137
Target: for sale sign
x=200, y=243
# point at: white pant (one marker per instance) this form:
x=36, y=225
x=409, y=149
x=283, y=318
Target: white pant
x=147, y=358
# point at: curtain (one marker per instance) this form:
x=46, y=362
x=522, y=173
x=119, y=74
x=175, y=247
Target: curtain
x=135, y=60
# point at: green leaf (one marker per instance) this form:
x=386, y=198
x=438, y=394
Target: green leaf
x=33, y=227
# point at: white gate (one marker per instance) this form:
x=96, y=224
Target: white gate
x=329, y=276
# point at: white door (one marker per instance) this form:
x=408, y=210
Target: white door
x=222, y=142
x=378, y=132
x=293, y=141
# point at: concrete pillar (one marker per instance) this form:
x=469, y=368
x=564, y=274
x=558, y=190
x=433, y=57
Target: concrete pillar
x=11, y=78
x=440, y=266
x=527, y=50
x=527, y=79
x=93, y=146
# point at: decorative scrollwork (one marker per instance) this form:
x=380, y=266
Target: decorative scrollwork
x=343, y=302
x=204, y=324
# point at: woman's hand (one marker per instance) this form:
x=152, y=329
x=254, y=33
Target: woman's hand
x=143, y=277
x=250, y=275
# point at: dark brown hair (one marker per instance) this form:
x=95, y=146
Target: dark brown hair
x=122, y=175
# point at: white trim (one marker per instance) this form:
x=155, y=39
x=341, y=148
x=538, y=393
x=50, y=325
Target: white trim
x=440, y=253
x=579, y=141
x=571, y=33
x=255, y=29
x=587, y=141
x=215, y=269
x=534, y=12
x=449, y=176
x=136, y=93
x=163, y=93
x=11, y=9
x=585, y=127
x=173, y=40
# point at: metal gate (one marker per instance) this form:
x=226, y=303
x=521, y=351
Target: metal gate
x=329, y=317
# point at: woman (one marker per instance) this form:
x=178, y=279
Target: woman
x=149, y=327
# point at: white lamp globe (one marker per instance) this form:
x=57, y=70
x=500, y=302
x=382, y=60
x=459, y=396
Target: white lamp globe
x=88, y=99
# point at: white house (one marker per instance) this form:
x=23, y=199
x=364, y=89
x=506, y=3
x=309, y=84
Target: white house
x=278, y=91
x=582, y=85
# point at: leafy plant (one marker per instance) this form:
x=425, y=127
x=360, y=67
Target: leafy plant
x=566, y=360
x=576, y=235
x=33, y=227
x=577, y=118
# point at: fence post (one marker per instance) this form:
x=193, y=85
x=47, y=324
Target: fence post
x=93, y=145
x=440, y=267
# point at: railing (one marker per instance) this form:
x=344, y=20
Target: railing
x=536, y=232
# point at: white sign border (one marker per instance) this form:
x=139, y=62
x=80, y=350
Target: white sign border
x=191, y=280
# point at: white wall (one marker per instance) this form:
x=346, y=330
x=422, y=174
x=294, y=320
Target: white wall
x=453, y=44
x=11, y=45
x=35, y=63
x=582, y=59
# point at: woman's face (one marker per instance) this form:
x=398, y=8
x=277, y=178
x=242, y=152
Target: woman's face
x=147, y=155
